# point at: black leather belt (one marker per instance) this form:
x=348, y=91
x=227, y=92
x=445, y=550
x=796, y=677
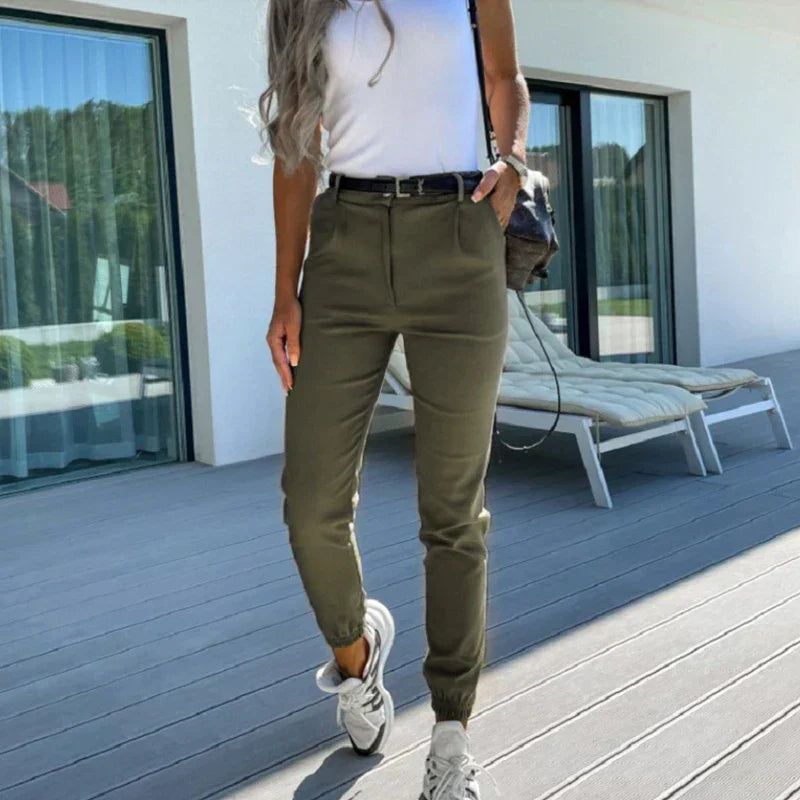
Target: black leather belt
x=407, y=187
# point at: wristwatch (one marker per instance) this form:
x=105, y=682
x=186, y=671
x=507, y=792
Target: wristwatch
x=520, y=166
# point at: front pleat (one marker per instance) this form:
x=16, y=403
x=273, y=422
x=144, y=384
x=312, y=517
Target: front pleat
x=457, y=223
x=386, y=249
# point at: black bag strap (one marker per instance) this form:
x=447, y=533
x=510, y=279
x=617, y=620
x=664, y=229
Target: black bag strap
x=492, y=151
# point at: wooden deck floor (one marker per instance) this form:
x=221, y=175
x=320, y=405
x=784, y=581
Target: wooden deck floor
x=155, y=641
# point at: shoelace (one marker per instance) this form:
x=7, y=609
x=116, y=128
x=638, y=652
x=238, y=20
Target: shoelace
x=354, y=699
x=453, y=775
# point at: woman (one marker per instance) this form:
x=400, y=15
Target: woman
x=408, y=237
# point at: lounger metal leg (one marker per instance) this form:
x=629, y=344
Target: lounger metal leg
x=708, y=449
x=591, y=463
x=693, y=457
x=775, y=415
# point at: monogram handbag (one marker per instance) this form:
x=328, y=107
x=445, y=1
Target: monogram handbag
x=531, y=240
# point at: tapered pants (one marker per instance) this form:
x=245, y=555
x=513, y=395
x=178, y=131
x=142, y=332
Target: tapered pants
x=432, y=268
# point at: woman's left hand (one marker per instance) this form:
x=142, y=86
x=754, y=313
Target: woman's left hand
x=501, y=184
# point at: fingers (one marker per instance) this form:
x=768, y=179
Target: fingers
x=502, y=216
x=293, y=343
x=275, y=340
x=504, y=195
x=489, y=181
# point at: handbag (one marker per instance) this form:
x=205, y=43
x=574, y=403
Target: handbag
x=531, y=240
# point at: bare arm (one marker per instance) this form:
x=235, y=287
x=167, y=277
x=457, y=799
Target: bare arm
x=293, y=195
x=509, y=101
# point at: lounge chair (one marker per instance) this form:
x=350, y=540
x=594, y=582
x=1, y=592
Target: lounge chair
x=525, y=355
x=588, y=404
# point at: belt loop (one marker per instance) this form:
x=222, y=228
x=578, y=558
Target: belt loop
x=336, y=181
x=460, y=180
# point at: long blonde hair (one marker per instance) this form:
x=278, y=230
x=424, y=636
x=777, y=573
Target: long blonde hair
x=291, y=105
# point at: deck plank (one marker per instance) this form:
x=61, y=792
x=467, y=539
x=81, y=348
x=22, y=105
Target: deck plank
x=155, y=639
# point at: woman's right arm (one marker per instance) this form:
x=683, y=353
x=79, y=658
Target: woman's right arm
x=293, y=195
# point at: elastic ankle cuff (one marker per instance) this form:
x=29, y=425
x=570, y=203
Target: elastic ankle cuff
x=448, y=708
x=346, y=640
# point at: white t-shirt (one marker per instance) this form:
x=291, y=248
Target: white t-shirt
x=424, y=114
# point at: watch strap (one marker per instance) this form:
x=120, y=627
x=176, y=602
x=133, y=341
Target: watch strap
x=520, y=166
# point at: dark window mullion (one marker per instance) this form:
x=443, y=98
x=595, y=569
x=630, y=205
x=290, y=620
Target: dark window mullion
x=669, y=280
x=585, y=300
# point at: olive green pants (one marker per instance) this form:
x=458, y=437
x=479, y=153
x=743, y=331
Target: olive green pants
x=432, y=268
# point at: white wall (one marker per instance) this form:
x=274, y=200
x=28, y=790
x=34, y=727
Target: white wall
x=739, y=62
x=225, y=214
x=733, y=88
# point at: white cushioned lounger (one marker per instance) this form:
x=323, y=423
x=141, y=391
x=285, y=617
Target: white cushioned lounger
x=529, y=400
x=524, y=355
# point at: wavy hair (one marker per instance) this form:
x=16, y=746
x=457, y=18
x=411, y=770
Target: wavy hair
x=291, y=105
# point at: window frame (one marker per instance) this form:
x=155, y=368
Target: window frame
x=169, y=180
x=577, y=99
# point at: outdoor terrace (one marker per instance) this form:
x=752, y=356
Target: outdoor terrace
x=155, y=641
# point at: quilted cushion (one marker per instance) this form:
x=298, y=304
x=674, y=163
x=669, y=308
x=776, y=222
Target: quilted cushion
x=524, y=354
x=621, y=403
x=614, y=402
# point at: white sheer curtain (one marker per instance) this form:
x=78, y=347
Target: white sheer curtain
x=630, y=226
x=85, y=353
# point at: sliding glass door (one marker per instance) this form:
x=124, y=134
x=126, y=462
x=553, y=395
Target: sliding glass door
x=609, y=291
x=549, y=152
x=630, y=215
x=88, y=344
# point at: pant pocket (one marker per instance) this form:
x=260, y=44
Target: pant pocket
x=481, y=237
x=492, y=214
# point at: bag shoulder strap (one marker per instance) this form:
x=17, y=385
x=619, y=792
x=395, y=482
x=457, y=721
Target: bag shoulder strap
x=492, y=151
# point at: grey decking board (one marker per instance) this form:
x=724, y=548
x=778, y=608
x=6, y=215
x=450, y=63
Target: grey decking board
x=216, y=727
x=584, y=646
x=355, y=765
x=240, y=644
x=412, y=564
x=523, y=533
x=629, y=680
x=277, y=529
x=24, y=607
x=518, y=504
x=188, y=544
x=700, y=734
x=790, y=490
x=254, y=577
x=776, y=747
x=94, y=535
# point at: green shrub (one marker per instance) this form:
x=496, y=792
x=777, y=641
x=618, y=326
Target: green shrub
x=127, y=345
x=16, y=363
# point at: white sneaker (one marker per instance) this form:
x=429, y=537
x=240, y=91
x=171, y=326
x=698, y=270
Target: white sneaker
x=450, y=768
x=365, y=710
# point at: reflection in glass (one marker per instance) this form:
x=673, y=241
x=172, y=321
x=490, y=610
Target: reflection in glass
x=86, y=346
x=547, y=150
x=629, y=175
